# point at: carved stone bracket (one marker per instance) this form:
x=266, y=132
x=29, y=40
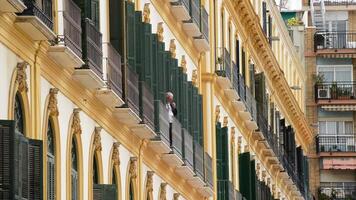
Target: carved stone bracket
x=226, y=121
x=97, y=139
x=239, y=142
x=116, y=154
x=217, y=113
x=53, y=102
x=183, y=64
x=172, y=48
x=176, y=196
x=258, y=168
x=133, y=167
x=146, y=13
x=21, y=77
x=76, y=127
x=163, y=192
x=195, y=78
x=149, y=183
x=160, y=31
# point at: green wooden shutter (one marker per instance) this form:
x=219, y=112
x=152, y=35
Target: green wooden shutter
x=130, y=34
x=155, y=66
x=22, y=170
x=201, y=115
x=148, y=54
x=253, y=179
x=264, y=17
x=269, y=37
x=243, y=65
x=260, y=93
x=74, y=184
x=50, y=177
x=244, y=175
x=139, y=44
x=104, y=191
x=94, y=13
x=116, y=30
x=35, y=169
x=161, y=65
x=190, y=108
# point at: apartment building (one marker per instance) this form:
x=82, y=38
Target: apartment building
x=330, y=65
x=84, y=114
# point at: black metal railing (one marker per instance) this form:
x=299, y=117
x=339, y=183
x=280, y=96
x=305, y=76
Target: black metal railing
x=238, y=196
x=92, y=47
x=162, y=127
x=204, y=23
x=223, y=65
x=114, y=79
x=335, y=40
x=72, y=27
x=241, y=88
x=235, y=77
x=133, y=96
x=147, y=105
x=188, y=149
x=177, y=140
x=337, y=190
x=251, y=103
x=335, y=90
x=339, y=2
x=336, y=143
x=44, y=14
x=208, y=170
x=198, y=160
x=195, y=11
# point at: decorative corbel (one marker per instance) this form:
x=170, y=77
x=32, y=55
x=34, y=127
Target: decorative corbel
x=195, y=78
x=183, y=64
x=149, y=183
x=163, y=192
x=274, y=189
x=160, y=31
x=246, y=149
x=217, y=113
x=264, y=175
x=53, y=103
x=133, y=167
x=239, y=142
x=225, y=121
x=268, y=181
x=176, y=196
x=146, y=13
x=97, y=139
x=76, y=127
x=21, y=77
x=258, y=168
x=116, y=154
x=172, y=48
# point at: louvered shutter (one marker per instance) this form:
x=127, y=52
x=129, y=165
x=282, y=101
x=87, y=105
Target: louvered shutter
x=130, y=34
x=116, y=30
x=201, y=126
x=148, y=54
x=161, y=65
x=264, y=17
x=104, y=191
x=139, y=42
x=243, y=65
x=155, y=67
x=75, y=182
x=94, y=12
x=50, y=177
x=22, y=171
x=219, y=153
x=260, y=93
x=252, y=77
x=270, y=29
x=244, y=175
x=35, y=168
x=253, y=179
x=190, y=108
x=238, y=56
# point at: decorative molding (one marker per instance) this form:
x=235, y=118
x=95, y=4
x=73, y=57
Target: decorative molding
x=239, y=143
x=97, y=139
x=232, y=136
x=163, y=192
x=176, y=196
x=226, y=121
x=160, y=31
x=53, y=102
x=217, y=113
x=258, y=168
x=195, y=78
x=149, y=183
x=116, y=154
x=146, y=13
x=21, y=77
x=268, y=181
x=183, y=64
x=264, y=175
x=133, y=167
x=172, y=48
x=76, y=127
x=274, y=189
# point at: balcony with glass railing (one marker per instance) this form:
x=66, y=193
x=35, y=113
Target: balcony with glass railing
x=337, y=190
x=36, y=19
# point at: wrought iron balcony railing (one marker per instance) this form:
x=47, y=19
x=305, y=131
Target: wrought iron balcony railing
x=337, y=190
x=44, y=14
x=198, y=160
x=162, y=126
x=335, y=40
x=223, y=65
x=204, y=23
x=339, y=2
x=147, y=108
x=188, y=155
x=195, y=11
x=72, y=27
x=208, y=170
x=132, y=92
x=114, y=79
x=336, y=143
x=335, y=91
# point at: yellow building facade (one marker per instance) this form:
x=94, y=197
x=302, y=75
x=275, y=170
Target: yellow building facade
x=83, y=86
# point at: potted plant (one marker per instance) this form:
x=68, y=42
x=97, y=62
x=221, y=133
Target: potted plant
x=334, y=90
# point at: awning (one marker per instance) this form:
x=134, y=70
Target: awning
x=339, y=107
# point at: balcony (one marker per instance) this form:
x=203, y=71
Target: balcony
x=335, y=44
x=335, y=143
x=187, y=169
x=238, y=196
x=192, y=26
x=175, y=157
x=202, y=42
x=198, y=179
x=337, y=190
x=12, y=6
x=225, y=190
x=180, y=9
x=129, y=113
x=340, y=5
x=91, y=73
x=112, y=95
x=161, y=143
x=66, y=50
x=335, y=93
x=36, y=22
x=207, y=190
x=223, y=68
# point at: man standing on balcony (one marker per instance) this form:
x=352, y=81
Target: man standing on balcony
x=172, y=111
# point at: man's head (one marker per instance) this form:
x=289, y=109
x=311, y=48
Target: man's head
x=169, y=97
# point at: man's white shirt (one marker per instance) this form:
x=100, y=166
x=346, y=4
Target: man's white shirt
x=170, y=112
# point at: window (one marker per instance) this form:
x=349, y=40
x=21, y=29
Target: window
x=74, y=171
x=94, y=12
x=19, y=115
x=335, y=127
x=50, y=162
x=336, y=73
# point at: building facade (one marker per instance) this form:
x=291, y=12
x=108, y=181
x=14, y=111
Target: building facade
x=330, y=65
x=84, y=115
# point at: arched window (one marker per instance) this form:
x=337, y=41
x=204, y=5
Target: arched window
x=131, y=191
x=50, y=162
x=74, y=171
x=19, y=115
x=95, y=170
